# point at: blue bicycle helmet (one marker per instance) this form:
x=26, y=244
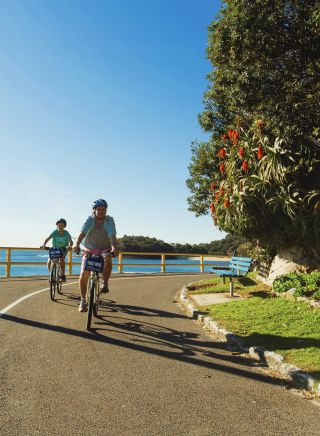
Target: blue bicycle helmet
x=99, y=202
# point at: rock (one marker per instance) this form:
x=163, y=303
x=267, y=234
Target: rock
x=290, y=294
x=292, y=259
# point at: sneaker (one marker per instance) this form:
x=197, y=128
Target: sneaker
x=83, y=306
x=63, y=278
x=104, y=288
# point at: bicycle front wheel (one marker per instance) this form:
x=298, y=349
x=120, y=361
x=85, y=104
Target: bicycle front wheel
x=96, y=299
x=53, y=281
x=90, y=301
x=59, y=281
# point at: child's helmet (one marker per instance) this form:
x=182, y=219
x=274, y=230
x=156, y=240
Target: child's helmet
x=63, y=221
x=99, y=202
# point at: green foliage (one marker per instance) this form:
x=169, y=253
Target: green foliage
x=144, y=244
x=304, y=284
x=266, y=59
x=264, y=88
x=141, y=244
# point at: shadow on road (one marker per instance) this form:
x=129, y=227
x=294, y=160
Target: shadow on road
x=156, y=339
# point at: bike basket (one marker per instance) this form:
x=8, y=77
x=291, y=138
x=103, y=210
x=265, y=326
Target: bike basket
x=94, y=263
x=55, y=253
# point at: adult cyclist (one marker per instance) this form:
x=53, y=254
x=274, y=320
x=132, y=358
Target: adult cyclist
x=98, y=234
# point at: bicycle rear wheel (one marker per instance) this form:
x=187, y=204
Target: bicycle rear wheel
x=90, y=301
x=53, y=282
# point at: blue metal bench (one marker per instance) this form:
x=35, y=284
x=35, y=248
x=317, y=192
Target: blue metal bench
x=238, y=267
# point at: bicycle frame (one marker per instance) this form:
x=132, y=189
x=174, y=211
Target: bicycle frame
x=93, y=296
x=93, y=287
x=55, y=280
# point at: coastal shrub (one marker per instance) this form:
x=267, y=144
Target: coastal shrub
x=304, y=284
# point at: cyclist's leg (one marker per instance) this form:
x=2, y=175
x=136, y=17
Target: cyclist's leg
x=83, y=282
x=107, y=268
x=63, y=264
x=106, y=273
x=49, y=264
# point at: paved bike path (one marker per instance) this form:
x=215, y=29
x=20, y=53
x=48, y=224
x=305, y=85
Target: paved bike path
x=146, y=369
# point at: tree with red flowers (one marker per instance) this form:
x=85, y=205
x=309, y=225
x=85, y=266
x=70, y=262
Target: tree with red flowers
x=262, y=112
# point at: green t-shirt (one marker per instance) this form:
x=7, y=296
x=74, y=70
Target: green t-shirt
x=59, y=240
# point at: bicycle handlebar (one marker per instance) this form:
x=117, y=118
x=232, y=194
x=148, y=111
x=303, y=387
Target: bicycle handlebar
x=108, y=254
x=44, y=247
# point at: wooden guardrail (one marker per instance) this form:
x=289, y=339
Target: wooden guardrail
x=201, y=263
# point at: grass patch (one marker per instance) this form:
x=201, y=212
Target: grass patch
x=284, y=326
x=245, y=286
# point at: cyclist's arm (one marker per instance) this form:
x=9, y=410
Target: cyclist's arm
x=112, y=235
x=76, y=246
x=114, y=244
x=46, y=240
x=70, y=241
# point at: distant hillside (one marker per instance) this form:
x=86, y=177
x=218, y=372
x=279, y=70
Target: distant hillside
x=224, y=246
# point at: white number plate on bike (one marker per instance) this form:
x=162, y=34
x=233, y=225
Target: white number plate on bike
x=94, y=264
x=55, y=253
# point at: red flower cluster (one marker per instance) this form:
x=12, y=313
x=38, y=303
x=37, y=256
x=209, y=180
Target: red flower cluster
x=234, y=136
x=241, y=152
x=212, y=208
x=214, y=186
x=222, y=191
x=222, y=153
x=226, y=203
x=222, y=168
x=245, y=166
x=260, y=152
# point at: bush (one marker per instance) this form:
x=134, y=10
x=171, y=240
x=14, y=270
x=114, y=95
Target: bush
x=304, y=284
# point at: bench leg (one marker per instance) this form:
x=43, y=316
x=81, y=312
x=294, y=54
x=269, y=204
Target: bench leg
x=231, y=287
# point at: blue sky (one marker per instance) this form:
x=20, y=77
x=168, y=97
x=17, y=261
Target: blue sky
x=100, y=99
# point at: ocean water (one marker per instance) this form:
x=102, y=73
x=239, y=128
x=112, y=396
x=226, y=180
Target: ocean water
x=42, y=256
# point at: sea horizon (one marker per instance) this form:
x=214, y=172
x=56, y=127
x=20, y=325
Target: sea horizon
x=155, y=263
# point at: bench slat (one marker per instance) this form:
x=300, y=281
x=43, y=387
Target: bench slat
x=220, y=271
x=238, y=267
x=240, y=263
x=231, y=274
x=240, y=260
x=245, y=259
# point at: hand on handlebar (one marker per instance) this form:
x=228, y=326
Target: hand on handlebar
x=110, y=253
x=115, y=251
x=76, y=249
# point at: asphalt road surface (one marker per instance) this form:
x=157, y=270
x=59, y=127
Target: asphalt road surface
x=144, y=369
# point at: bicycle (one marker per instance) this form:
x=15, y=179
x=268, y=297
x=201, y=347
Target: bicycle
x=95, y=265
x=55, y=254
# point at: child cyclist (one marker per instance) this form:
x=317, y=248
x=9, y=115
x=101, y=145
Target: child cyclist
x=99, y=236
x=61, y=238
